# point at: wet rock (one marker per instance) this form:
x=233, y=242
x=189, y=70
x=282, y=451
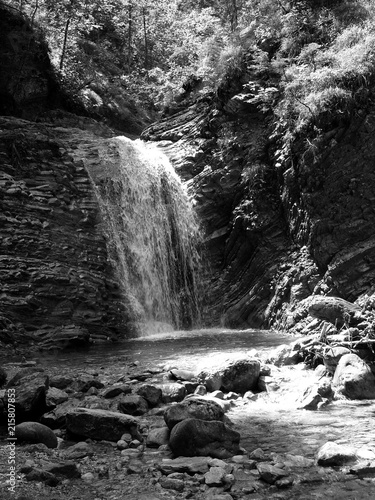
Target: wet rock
x=115, y=390
x=267, y=384
x=190, y=465
x=269, y=473
x=151, y=393
x=158, y=437
x=100, y=424
x=202, y=409
x=173, y=393
x=310, y=399
x=285, y=355
x=332, y=453
x=237, y=376
x=193, y=437
x=353, y=378
x=34, y=432
x=332, y=356
x=133, y=405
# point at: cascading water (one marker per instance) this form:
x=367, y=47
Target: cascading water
x=152, y=233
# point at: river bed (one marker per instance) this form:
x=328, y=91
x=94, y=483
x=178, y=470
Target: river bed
x=273, y=421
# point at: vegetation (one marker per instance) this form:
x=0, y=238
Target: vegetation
x=314, y=59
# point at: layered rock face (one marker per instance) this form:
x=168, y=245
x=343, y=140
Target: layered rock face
x=275, y=234
x=57, y=284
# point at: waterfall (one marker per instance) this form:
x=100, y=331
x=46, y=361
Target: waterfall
x=151, y=231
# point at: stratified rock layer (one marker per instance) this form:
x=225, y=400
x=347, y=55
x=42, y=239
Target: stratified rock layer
x=276, y=234
x=57, y=284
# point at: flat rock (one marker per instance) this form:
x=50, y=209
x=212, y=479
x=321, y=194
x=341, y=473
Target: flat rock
x=190, y=465
x=100, y=424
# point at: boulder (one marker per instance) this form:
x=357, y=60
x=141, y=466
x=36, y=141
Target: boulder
x=202, y=409
x=237, y=376
x=335, y=310
x=331, y=454
x=332, y=356
x=100, y=424
x=353, y=378
x=33, y=432
x=150, y=393
x=133, y=404
x=193, y=437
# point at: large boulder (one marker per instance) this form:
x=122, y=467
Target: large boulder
x=353, y=378
x=202, y=409
x=335, y=310
x=332, y=356
x=238, y=376
x=193, y=437
x=33, y=432
x=101, y=424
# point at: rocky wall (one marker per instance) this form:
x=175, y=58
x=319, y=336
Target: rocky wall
x=57, y=286
x=275, y=236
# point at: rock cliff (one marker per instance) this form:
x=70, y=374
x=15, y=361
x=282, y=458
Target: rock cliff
x=58, y=287
x=275, y=235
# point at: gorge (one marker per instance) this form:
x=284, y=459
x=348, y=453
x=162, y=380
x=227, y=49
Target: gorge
x=276, y=234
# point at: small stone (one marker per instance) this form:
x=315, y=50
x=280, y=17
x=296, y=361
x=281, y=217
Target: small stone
x=215, y=476
x=122, y=445
x=201, y=390
x=172, y=484
x=88, y=477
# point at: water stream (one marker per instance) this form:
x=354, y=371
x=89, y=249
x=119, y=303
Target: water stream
x=273, y=422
